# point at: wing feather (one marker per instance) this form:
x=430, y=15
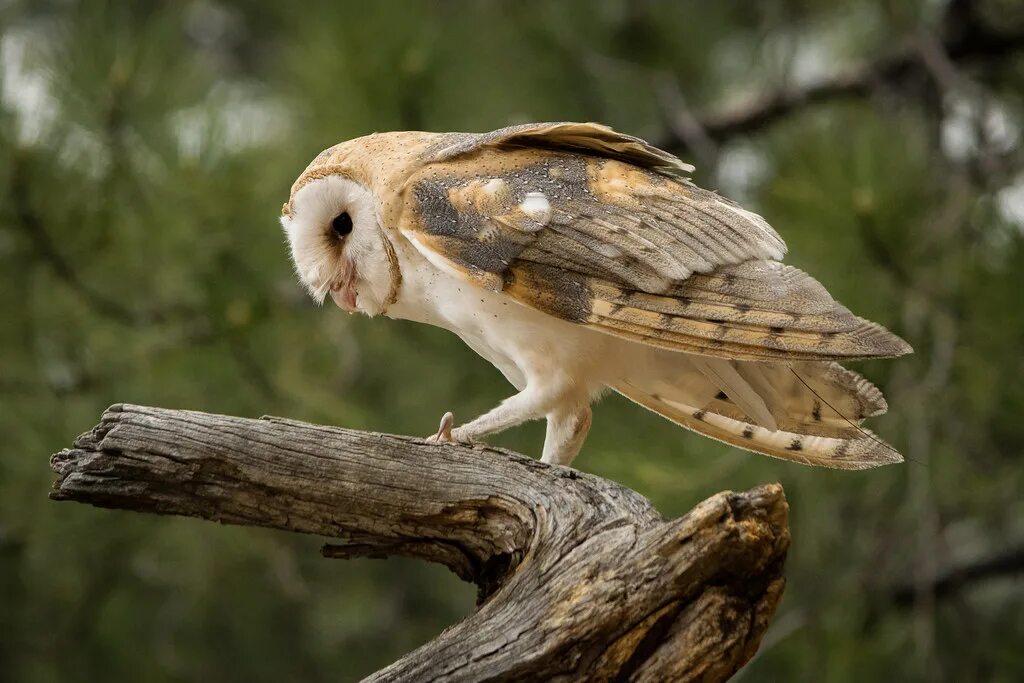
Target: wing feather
x=592, y=138
x=702, y=316
x=636, y=244
x=623, y=245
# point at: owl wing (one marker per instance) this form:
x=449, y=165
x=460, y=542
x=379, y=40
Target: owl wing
x=587, y=138
x=598, y=229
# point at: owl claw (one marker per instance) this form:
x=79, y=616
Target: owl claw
x=444, y=430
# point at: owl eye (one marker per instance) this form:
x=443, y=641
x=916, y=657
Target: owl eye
x=342, y=224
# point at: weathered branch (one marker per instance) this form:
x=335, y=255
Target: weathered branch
x=579, y=578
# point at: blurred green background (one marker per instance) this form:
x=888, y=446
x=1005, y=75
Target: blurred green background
x=145, y=151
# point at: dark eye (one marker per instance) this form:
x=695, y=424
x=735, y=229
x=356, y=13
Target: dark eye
x=342, y=224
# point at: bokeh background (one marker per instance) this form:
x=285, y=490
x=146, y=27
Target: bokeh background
x=145, y=151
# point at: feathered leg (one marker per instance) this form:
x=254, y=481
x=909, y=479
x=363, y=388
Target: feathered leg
x=533, y=402
x=567, y=430
x=567, y=410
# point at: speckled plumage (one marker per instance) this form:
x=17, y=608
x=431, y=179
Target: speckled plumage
x=576, y=258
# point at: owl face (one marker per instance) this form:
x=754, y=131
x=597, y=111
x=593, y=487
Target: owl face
x=337, y=243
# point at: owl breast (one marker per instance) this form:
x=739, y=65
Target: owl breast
x=523, y=343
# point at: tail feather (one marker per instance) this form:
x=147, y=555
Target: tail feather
x=820, y=396
x=724, y=375
x=803, y=412
x=853, y=449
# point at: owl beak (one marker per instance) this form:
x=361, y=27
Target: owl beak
x=344, y=296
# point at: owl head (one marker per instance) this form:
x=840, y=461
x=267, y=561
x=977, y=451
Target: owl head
x=339, y=213
x=337, y=242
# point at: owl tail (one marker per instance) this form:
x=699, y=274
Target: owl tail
x=808, y=412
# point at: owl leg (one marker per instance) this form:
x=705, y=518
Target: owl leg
x=533, y=402
x=567, y=430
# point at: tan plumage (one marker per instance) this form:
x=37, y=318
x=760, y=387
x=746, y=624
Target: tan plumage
x=603, y=231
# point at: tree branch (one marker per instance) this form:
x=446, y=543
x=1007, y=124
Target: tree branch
x=951, y=581
x=579, y=578
x=965, y=42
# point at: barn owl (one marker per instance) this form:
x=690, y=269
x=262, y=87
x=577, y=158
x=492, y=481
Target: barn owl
x=577, y=259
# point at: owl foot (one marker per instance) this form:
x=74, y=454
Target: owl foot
x=447, y=434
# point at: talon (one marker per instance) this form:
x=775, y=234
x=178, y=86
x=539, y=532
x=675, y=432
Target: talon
x=444, y=430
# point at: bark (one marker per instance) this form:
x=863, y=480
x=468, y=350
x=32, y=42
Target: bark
x=579, y=578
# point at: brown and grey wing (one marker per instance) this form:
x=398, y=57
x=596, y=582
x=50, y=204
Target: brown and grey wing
x=755, y=310
x=595, y=216
x=630, y=252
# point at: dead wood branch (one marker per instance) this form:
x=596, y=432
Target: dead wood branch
x=579, y=578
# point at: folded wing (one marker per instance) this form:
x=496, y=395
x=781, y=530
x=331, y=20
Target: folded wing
x=598, y=228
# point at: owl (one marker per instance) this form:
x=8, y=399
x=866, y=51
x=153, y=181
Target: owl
x=579, y=260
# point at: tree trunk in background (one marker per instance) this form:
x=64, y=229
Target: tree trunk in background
x=579, y=578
